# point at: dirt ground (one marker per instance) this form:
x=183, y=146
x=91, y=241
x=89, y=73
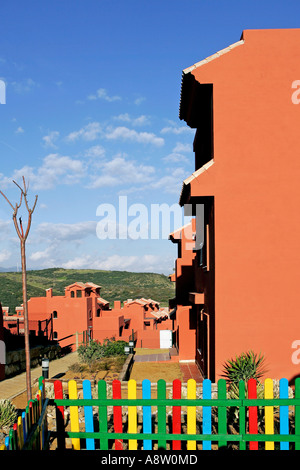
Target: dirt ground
x=155, y=371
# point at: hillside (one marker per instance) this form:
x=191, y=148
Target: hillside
x=116, y=285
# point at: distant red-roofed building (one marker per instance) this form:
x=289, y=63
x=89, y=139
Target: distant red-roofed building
x=82, y=309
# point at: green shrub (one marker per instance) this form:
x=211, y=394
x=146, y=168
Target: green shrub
x=96, y=351
x=8, y=413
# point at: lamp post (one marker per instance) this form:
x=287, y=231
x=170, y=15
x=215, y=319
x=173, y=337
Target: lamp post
x=126, y=350
x=45, y=368
x=131, y=346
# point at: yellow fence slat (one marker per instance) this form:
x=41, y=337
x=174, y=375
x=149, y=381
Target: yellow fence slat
x=269, y=413
x=39, y=396
x=132, y=415
x=191, y=413
x=74, y=417
x=20, y=432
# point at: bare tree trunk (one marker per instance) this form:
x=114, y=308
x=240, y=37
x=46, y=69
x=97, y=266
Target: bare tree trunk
x=23, y=236
x=26, y=328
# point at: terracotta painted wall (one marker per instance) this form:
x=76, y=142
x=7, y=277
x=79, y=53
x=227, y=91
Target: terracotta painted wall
x=255, y=183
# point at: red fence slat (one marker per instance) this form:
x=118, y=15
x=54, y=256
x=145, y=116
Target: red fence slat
x=60, y=421
x=253, y=429
x=117, y=413
x=176, y=428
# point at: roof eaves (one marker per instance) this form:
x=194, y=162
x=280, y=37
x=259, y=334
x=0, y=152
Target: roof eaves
x=214, y=56
x=194, y=175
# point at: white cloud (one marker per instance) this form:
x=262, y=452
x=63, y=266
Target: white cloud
x=24, y=86
x=171, y=182
x=78, y=263
x=101, y=93
x=66, y=232
x=119, y=170
x=4, y=255
x=51, y=138
x=180, y=147
x=175, y=158
x=55, y=169
x=4, y=226
x=91, y=131
x=60, y=239
x=139, y=100
x=19, y=130
x=176, y=155
x=139, y=121
x=40, y=255
x=174, y=129
x=97, y=151
x=135, y=263
x=126, y=134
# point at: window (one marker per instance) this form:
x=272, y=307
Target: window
x=72, y=293
x=203, y=142
x=54, y=334
x=54, y=314
x=78, y=293
x=98, y=312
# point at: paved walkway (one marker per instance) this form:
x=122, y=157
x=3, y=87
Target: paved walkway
x=13, y=386
x=152, y=357
x=189, y=369
x=9, y=388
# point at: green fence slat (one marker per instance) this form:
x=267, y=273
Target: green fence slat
x=102, y=414
x=242, y=414
x=222, y=411
x=161, y=414
x=297, y=412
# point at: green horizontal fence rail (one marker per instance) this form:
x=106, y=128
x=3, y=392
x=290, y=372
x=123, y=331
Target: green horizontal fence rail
x=189, y=422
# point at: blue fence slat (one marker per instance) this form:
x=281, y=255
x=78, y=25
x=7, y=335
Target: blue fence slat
x=88, y=414
x=24, y=425
x=206, y=413
x=147, y=426
x=284, y=412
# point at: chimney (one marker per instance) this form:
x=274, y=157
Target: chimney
x=117, y=304
x=49, y=292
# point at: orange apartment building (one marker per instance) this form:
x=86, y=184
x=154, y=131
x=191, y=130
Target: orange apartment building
x=82, y=308
x=240, y=291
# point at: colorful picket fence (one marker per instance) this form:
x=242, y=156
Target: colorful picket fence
x=181, y=422
x=30, y=432
x=149, y=435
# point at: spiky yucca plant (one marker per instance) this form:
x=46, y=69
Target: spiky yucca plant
x=8, y=413
x=246, y=366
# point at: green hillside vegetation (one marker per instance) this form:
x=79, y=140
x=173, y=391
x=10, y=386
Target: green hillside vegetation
x=115, y=285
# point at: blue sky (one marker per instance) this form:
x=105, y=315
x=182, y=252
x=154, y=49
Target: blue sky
x=91, y=114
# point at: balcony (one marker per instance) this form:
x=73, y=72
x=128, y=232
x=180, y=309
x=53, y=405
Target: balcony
x=196, y=298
